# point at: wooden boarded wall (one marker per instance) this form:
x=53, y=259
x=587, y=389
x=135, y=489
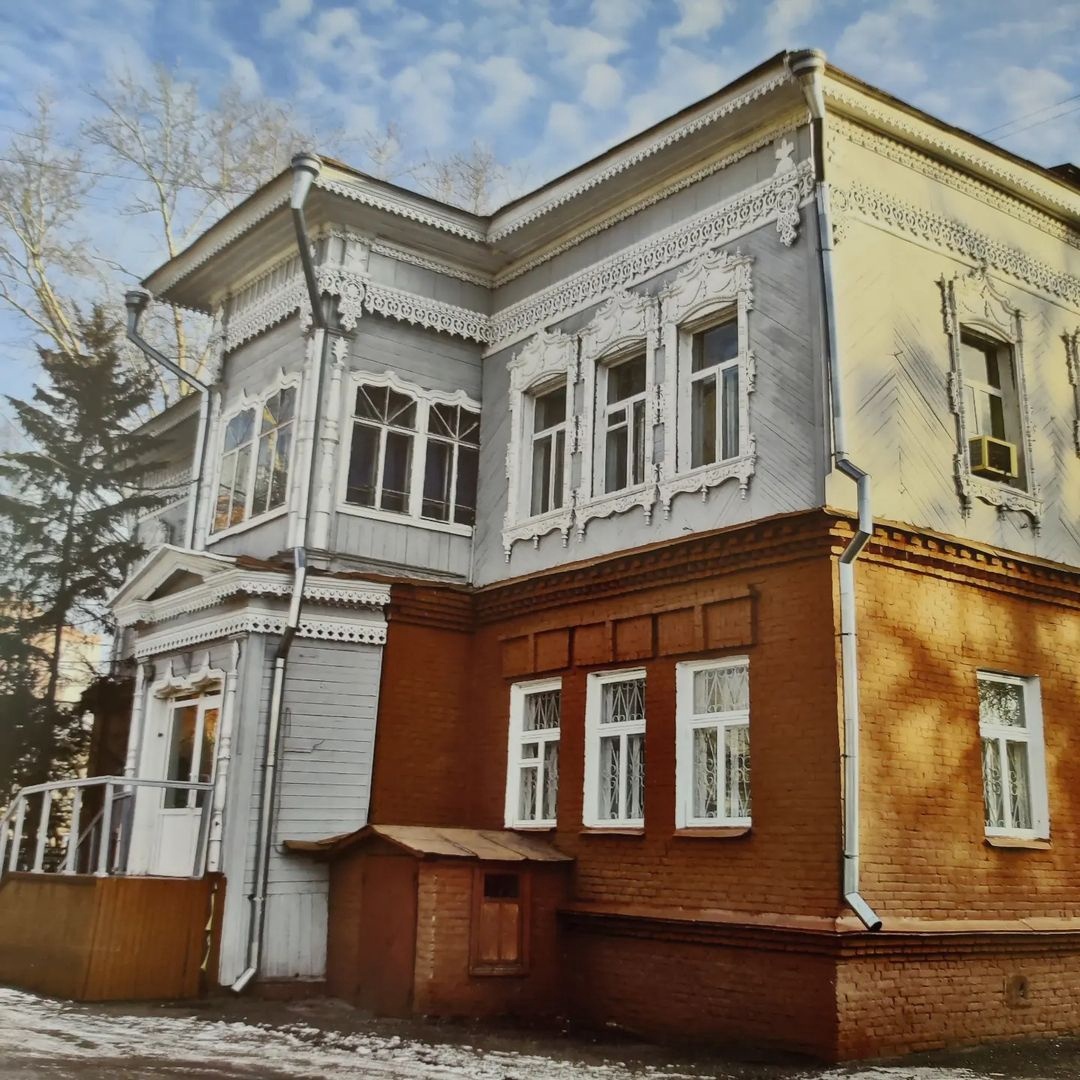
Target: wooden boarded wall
x=105, y=939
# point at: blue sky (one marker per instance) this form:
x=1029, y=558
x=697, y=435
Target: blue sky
x=547, y=83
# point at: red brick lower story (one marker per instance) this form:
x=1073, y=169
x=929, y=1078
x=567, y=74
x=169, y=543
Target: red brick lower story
x=833, y=996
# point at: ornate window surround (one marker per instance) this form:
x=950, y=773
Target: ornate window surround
x=425, y=398
x=709, y=285
x=255, y=401
x=624, y=325
x=1072, y=364
x=972, y=301
x=548, y=359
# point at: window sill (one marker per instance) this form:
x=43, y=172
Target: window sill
x=495, y=971
x=1021, y=843
x=373, y=514
x=732, y=832
x=529, y=827
x=614, y=830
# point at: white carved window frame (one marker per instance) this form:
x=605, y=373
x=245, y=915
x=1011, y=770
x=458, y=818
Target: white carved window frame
x=972, y=302
x=1072, y=366
x=624, y=326
x=548, y=360
x=710, y=286
x=256, y=402
x=424, y=399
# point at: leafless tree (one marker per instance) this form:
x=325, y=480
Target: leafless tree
x=473, y=179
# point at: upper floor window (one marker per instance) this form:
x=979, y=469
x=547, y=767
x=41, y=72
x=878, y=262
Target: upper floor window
x=624, y=431
x=714, y=394
x=995, y=447
x=709, y=377
x=615, y=749
x=713, y=743
x=993, y=407
x=1014, y=771
x=532, y=786
x=548, y=451
x=412, y=454
x=253, y=477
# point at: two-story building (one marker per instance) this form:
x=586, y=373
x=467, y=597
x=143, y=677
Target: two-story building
x=656, y=603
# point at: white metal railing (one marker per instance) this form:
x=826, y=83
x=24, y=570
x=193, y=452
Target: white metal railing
x=99, y=847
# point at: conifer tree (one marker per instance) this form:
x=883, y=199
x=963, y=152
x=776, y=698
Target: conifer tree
x=67, y=505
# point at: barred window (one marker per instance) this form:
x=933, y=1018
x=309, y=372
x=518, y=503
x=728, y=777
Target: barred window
x=713, y=743
x=615, y=749
x=532, y=788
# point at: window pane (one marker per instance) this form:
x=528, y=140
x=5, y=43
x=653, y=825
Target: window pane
x=181, y=754
x=703, y=422
x=527, y=794
x=626, y=379
x=638, y=476
x=549, y=409
x=1001, y=703
x=269, y=414
x=730, y=429
x=363, y=462
x=205, y=770
x=705, y=774
x=722, y=690
x=400, y=410
x=371, y=402
x=280, y=478
x=608, y=790
x=397, y=463
x=737, y=771
x=558, y=482
x=1016, y=754
x=465, y=496
x=469, y=429
x=714, y=346
x=542, y=710
x=541, y=476
x=623, y=701
x=287, y=404
x=635, y=776
x=615, y=458
x=551, y=779
x=438, y=474
x=239, y=429
x=225, y=486
x=992, y=793
x=442, y=420
x=262, y=474
x=239, y=502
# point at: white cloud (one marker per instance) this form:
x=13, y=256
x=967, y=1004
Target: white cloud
x=285, y=16
x=603, y=86
x=785, y=18
x=575, y=47
x=566, y=125
x=878, y=45
x=616, y=16
x=244, y=75
x=682, y=77
x=511, y=87
x=1030, y=98
x=698, y=18
x=427, y=93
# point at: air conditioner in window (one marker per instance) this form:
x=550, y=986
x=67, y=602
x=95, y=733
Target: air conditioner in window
x=993, y=458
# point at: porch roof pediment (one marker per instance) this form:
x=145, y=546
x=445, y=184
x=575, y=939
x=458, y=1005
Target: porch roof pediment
x=163, y=564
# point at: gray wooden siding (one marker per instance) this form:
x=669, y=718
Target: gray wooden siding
x=323, y=787
x=260, y=540
x=725, y=184
x=417, y=279
x=258, y=363
x=785, y=417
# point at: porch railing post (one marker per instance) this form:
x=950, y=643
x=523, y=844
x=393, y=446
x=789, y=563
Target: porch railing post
x=17, y=834
x=105, y=843
x=72, y=854
x=43, y=830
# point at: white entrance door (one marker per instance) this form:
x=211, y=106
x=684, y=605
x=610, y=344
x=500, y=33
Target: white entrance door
x=191, y=736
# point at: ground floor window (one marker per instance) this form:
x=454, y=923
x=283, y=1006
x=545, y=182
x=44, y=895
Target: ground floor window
x=615, y=749
x=193, y=725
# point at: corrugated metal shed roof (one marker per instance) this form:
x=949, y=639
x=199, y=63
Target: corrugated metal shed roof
x=489, y=845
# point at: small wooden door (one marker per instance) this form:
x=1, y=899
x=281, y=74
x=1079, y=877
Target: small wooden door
x=387, y=939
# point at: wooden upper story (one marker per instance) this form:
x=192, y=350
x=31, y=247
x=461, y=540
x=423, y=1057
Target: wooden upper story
x=636, y=350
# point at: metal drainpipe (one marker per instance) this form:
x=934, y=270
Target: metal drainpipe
x=305, y=168
x=136, y=302
x=808, y=67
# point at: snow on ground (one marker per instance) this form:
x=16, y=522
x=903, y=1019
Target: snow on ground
x=40, y=1037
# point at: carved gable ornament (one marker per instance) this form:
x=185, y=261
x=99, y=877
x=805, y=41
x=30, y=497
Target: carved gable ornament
x=973, y=302
x=625, y=324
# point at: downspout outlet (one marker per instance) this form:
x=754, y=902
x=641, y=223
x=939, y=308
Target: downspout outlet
x=136, y=302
